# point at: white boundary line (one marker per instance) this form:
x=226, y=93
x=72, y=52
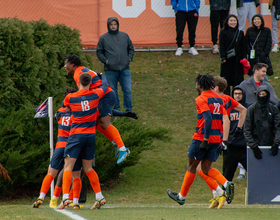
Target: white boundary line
x=70, y=214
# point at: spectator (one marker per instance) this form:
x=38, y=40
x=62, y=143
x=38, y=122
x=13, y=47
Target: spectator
x=115, y=50
x=262, y=124
x=219, y=10
x=246, y=9
x=236, y=145
x=231, y=39
x=186, y=11
x=258, y=44
x=251, y=84
x=274, y=6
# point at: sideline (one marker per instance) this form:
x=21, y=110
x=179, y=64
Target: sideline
x=70, y=214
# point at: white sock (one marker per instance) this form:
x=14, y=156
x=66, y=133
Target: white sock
x=181, y=197
x=219, y=191
x=54, y=197
x=99, y=196
x=65, y=196
x=75, y=200
x=215, y=194
x=123, y=148
x=42, y=195
x=225, y=184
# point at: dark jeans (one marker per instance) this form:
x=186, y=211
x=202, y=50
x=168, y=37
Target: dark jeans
x=230, y=161
x=217, y=17
x=182, y=18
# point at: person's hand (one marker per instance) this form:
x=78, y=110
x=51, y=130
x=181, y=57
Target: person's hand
x=277, y=14
x=274, y=149
x=238, y=132
x=203, y=145
x=224, y=147
x=57, y=116
x=68, y=109
x=257, y=152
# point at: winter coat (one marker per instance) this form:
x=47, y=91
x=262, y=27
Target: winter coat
x=234, y=119
x=219, y=5
x=232, y=69
x=262, y=46
x=239, y=3
x=185, y=5
x=250, y=87
x=115, y=49
x=262, y=123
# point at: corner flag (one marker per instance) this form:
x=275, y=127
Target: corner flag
x=42, y=110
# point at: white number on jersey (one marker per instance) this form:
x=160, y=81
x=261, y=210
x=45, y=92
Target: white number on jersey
x=65, y=121
x=85, y=105
x=216, y=108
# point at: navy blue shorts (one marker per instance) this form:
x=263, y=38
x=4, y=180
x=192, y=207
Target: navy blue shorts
x=82, y=145
x=106, y=104
x=212, y=153
x=57, y=161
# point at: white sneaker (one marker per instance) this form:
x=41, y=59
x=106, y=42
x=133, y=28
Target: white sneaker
x=179, y=51
x=275, y=48
x=215, y=49
x=193, y=51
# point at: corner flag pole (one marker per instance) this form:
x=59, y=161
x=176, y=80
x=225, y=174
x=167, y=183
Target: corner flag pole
x=50, y=110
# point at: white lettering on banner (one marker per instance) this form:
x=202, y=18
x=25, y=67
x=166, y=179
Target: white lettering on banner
x=162, y=10
x=138, y=6
x=166, y=11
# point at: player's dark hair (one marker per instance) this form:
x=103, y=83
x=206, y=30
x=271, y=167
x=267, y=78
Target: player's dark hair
x=85, y=79
x=206, y=82
x=69, y=90
x=259, y=66
x=74, y=59
x=221, y=83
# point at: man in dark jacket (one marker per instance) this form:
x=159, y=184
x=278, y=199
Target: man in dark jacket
x=236, y=151
x=115, y=50
x=262, y=124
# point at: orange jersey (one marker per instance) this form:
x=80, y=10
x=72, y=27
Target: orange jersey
x=229, y=103
x=209, y=101
x=84, y=109
x=96, y=82
x=64, y=125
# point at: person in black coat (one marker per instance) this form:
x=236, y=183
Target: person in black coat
x=232, y=39
x=258, y=44
x=262, y=124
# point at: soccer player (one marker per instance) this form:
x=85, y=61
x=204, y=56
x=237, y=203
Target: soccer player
x=81, y=141
x=206, y=140
x=104, y=126
x=57, y=160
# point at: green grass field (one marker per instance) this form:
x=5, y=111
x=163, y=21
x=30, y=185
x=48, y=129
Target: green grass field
x=163, y=96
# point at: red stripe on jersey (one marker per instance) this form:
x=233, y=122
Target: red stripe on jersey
x=60, y=145
x=229, y=103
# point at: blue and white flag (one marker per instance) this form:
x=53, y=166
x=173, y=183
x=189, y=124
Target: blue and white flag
x=42, y=110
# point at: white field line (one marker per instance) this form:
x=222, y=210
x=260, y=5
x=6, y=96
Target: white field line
x=70, y=214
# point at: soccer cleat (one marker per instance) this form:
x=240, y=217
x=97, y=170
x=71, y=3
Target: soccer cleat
x=64, y=203
x=98, y=203
x=179, y=51
x=53, y=203
x=131, y=115
x=229, y=192
x=37, y=203
x=221, y=200
x=214, y=203
x=123, y=155
x=175, y=197
x=76, y=206
x=215, y=49
x=193, y=51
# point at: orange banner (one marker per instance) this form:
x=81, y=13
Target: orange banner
x=147, y=22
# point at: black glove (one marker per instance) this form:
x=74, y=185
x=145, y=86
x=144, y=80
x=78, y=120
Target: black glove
x=203, y=145
x=224, y=147
x=277, y=14
x=131, y=115
x=99, y=74
x=57, y=116
x=238, y=132
x=257, y=152
x=274, y=149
